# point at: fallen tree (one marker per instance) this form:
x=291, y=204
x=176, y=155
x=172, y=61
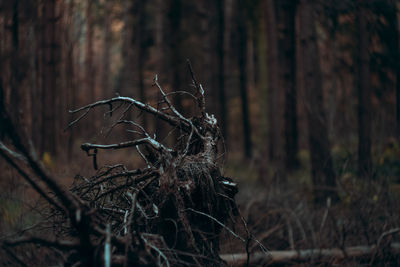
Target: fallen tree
x=170, y=212
x=296, y=256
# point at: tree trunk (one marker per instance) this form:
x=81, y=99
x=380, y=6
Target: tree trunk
x=141, y=49
x=35, y=92
x=90, y=73
x=209, y=59
x=175, y=18
x=106, y=86
x=287, y=43
x=50, y=75
x=323, y=175
x=126, y=81
x=364, y=95
x=242, y=60
x=307, y=256
x=396, y=46
x=221, y=67
x=70, y=75
x=160, y=126
x=397, y=66
x=273, y=82
x=16, y=73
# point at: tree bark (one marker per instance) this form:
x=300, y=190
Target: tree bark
x=89, y=66
x=107, y=50
x=70, y=74
x=141, y=50
x=126, y=81
x=287, y=54
x=242, y=61
x=306, y=255
x=175, y=21
x=208, y=47
x=160, y=48
x=50, y=74
x=273, y=105
x=221, y=67
x=396, y=47
x=322, y=172
x=17, y=74
x=364, y=95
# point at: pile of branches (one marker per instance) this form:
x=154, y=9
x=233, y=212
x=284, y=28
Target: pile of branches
x=169, y=213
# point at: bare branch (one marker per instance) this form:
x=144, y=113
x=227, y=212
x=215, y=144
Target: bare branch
x=145, y=107
x=148, y=140
x=44, y=242
x=200, y=91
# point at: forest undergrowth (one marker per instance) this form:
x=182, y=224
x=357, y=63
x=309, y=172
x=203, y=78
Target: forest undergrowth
x=281, y=217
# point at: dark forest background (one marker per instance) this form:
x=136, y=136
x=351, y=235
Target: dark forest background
x=306, y=93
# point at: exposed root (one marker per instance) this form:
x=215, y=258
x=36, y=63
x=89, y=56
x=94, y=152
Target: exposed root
x=169, y=213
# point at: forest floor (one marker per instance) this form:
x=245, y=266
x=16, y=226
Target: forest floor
x=280, y=216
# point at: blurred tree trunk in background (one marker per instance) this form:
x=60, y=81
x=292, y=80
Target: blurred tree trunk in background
x=17, y=73
x=323, y=175
x=287, y=54
x=364, y=93
x=89, y=66
x=159, y=59
x=396, y=51
x=70, y=71
x=242, y=63
x=262, y=84
x=175, y=46
x=139, y=26
x=275, y=94
x=50, y=75
x=126, y=82
x=272, y=53
x=106, y=82
x=22, y=81
x=208, y=50
x=36, y=90
x=221, y=49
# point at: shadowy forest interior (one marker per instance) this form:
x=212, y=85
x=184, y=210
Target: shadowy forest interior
x=199, y=133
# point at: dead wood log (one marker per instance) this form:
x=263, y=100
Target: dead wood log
x=280, y=257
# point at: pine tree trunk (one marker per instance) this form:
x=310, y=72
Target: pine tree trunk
x=242, y=61
x=221, y=67
x=175, y=17
x=70, y=76
x=89, y=66
x=50, y=75
x=364, y=96
x=141, y=49
x=106, y=86
x=273, y=81
x=323, y=175
x=287, y=44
